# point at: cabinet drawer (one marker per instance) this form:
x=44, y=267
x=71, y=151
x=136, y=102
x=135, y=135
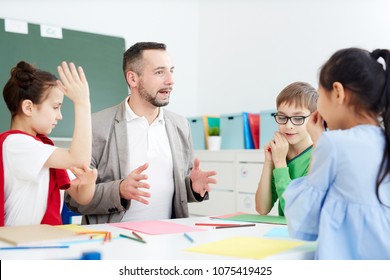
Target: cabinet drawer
x=219, y=203
x=248, y=176
x=246, y=203
x=225, y=174
x=250, y=156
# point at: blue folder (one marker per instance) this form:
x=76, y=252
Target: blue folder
x=248, y=140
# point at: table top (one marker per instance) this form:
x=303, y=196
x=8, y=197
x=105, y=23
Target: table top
x=162, y=246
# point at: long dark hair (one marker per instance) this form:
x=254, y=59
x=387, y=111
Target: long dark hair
x=362, y=73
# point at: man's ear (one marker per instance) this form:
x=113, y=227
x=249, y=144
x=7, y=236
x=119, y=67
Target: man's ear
x=27, y=107
x=132, y=78
x=339, y=92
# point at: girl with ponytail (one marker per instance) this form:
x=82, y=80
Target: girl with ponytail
x=344, y=202
x=32, y=169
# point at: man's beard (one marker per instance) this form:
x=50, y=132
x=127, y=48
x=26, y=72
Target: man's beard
x=152, y=99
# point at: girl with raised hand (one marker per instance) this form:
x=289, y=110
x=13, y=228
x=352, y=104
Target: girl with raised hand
x=32, y=169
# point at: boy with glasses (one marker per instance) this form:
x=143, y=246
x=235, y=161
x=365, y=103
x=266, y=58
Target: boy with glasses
x=287, y=155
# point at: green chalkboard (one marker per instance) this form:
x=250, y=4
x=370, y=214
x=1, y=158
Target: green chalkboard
x=99, y=55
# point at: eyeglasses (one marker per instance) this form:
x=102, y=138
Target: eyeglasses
x=295, y=120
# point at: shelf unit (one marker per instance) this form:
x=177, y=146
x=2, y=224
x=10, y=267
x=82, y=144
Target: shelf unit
x=238, y=174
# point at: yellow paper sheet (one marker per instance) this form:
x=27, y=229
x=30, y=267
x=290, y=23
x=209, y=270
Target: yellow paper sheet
x=246, y=247
x=76, y=228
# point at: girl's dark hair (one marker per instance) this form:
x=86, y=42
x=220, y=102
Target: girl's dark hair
x=26, y=83
x=360, y=71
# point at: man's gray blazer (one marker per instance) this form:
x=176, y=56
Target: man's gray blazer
x=110, y=157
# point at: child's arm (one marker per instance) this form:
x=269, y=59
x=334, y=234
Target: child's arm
x=263, y=196
x=75, y=87
x=276, y=150
x=82, y=188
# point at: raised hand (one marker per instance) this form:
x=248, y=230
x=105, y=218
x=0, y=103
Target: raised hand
x=201, y=179
x=131, y=187
x=73, y=82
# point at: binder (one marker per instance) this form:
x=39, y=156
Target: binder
x=268, y=126
x=232, y=132
x=247, y=132
x=197, y=133
x=254, y=124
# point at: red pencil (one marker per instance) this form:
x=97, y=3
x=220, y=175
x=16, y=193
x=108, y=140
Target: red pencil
x=242, y=225
x=215, y=225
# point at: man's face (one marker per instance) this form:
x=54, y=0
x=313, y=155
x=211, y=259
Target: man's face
x=156, y=80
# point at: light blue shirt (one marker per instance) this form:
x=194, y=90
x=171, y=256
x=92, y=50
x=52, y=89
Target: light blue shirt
x=336, y=203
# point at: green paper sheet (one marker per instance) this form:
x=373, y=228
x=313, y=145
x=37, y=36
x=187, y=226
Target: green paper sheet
x=280, y=220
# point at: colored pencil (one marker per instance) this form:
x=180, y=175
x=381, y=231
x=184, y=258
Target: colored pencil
x=107, y=234
x=243, y=225
x=132, y=238
x=137, y=235
x=34, y=247
x=188, y=237
x=214, y=225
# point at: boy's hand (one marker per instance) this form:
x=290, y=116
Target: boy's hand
x=267, y=152
x=279, y=149
x=315, y=127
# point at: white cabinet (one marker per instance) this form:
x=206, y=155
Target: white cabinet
x=245, y=203
x=225, y=182
x=248, y=175
x=238, y=173
x=220, y=202
x=248, y=165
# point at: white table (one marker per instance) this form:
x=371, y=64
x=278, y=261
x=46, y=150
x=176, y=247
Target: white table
x=158, y=247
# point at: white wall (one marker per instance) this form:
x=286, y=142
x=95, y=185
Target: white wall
x=230, y=55
x=251, y=49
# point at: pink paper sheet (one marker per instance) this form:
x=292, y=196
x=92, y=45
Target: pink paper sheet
x=227, y=215
x=156, y=227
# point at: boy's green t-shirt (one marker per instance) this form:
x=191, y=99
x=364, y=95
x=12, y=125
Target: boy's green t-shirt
x=281, y=177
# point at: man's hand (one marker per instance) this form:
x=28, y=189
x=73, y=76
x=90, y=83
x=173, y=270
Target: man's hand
x=130, y=188
x=201, y=179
